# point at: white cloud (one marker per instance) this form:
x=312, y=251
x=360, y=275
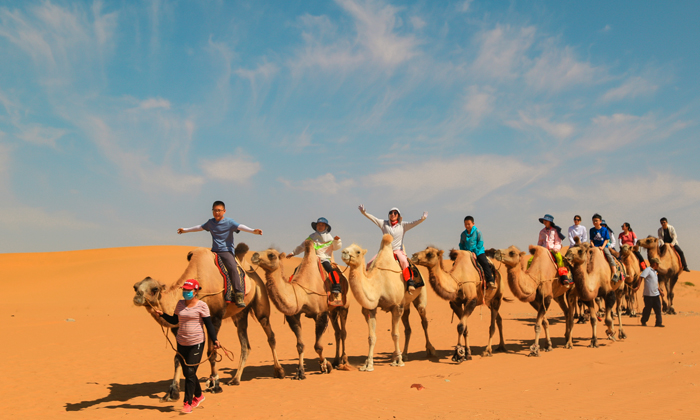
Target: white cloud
x=558, y=130
x=469, y=178
x=558, y=69
x=631, y=88
x=615, y=131
x=606, y=28
x=479, y=102
x=238, y=169
x=43, y=136
x=464, y=6
x=324, y=184
x=417, y=22
x=14, y=217
x=376, y=39
x=152, y=103
x=502, y=51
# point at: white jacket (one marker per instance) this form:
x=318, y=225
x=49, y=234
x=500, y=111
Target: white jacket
x=672, y=232
x=324, y=244
x=397, y=231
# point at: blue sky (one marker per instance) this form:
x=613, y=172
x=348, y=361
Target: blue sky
x=122, y=121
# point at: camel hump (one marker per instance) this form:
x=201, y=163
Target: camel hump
x=386, y=239
x=577, y=240
x=532, y=249
x=240, y=251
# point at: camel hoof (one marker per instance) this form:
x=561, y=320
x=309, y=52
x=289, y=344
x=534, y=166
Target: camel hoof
x=487, y=354
x=279, y=373
x=366, y=368
x=501, y=349
x=398, y=362
x=621, y=335
x=468, y=357
x=568, y=346
x=234, y=381
x=534, y=351
x=672, y=311
x=300, y=375
x=593, y=346
x=326, y=367
x=548, y=349
x=633, y=315
x=459, y=355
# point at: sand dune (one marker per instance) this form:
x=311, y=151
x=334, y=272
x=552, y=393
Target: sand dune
x=76, y=347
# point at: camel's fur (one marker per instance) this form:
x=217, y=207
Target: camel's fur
x=592, y=276
x=306, y=295
x=462, y=288
x=538, y=285
x=669, y=268
x=633, y=280
x=383, y=287
x=152, y=294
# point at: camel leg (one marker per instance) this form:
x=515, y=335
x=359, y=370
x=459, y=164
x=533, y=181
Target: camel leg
x=371, y=317
x=173, y=393
x=458, y=311
x=406, y=330
x=241, y=322
x=420, y=305
x=494, y=306
x=212, y=384
x=671, y=309
x=609, y=305
x=567, y=305
x=467, y=351
x=545, y=323
x=262, y=313
x=396, y=313
x=619, y=294
x=321, y=325
x=343, y=319
x=294, y=322
x=594, y=321
x=336, y=332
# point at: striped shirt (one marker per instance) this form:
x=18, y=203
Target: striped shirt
x=191, y=329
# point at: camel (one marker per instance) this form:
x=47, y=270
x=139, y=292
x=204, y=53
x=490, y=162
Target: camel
x=151, y=294
x=670, y=268
x=538, y=285
x=383, y=287
x=307, y=294
x=633, y=280
x=461, y=286
x=592, y=277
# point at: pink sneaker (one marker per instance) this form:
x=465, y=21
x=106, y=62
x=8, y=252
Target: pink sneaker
x=196, y=401
x=186, y=409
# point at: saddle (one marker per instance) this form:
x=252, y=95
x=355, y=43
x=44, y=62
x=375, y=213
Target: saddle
x=417, y=276
x=620, y=269
x=482, y=275
x=228, y=283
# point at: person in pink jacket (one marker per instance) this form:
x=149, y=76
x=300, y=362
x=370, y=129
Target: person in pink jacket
x=550, y=237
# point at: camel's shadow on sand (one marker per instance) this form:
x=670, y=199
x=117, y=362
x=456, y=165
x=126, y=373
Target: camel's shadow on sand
x=125, y=392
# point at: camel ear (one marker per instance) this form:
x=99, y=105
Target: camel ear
x=453, y=254
x=189, y=255
x=532, y=249
x=162, y=287
x=282, y=256
x=522, y=253
x=440, y=254
x=363, y=252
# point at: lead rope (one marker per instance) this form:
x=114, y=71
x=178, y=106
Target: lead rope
x=217, y=359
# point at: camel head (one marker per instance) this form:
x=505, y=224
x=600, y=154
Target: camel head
x=268, y=260
x=579, y=253
x=509, y=256
x=354, y=256
x=148, y=290
x=649, y=242
x=430, y=257
x=625, y=250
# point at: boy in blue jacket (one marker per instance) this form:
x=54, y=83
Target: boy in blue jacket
x=472, y=241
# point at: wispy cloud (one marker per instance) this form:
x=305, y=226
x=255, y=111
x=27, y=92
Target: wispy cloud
x=558, y=69
x=324, y=184
x=152, y=103
x=502, y=51
x=239, y=168
x=43, y=136
x=544, y=123
x=630, y=89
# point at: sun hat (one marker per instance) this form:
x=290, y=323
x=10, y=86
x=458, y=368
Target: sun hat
x=191, y=284
x=548, y=218
x=397, y=210
x=321, y=220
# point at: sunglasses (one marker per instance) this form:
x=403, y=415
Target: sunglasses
x=577, y=220
x=394, y=212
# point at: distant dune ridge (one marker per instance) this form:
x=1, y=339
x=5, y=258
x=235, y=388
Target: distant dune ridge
x=112, y=360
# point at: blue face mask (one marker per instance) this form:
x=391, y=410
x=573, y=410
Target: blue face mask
x=188, y=294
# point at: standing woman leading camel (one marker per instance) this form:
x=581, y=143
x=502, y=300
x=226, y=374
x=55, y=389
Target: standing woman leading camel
x=190, y=314
x=397, y=228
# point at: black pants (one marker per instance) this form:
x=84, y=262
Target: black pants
x=484, y=263
x=639, y=257
x=652, y=302
x=230, y=263
x=335, y=277
x=680, y=252
x=192, y=355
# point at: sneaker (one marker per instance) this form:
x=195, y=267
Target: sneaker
x=660, y=325
x=186, y=409
x=411, y=285
x=686, y=269
x=196, y=401
x=491, y=285
x=644, y=324
x=239, y=298
x=336, y=299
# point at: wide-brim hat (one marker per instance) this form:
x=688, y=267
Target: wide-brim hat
x=191, y=284
x=548, y=218
x=321, y=220
x=602, y=223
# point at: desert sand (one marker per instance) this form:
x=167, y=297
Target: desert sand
x=76, y=347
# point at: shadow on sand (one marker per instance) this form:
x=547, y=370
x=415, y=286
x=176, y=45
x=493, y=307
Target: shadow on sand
x=125, y=392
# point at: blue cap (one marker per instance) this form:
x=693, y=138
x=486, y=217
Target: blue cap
x=321, y=220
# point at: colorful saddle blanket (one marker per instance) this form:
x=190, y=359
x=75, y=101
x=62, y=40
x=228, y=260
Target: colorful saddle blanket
x=479, y=269
x=228, y=284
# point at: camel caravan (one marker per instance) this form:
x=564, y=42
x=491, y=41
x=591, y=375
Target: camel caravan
x=216, y=286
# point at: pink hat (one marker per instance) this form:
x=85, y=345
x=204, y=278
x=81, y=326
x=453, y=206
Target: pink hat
x=191, y=284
